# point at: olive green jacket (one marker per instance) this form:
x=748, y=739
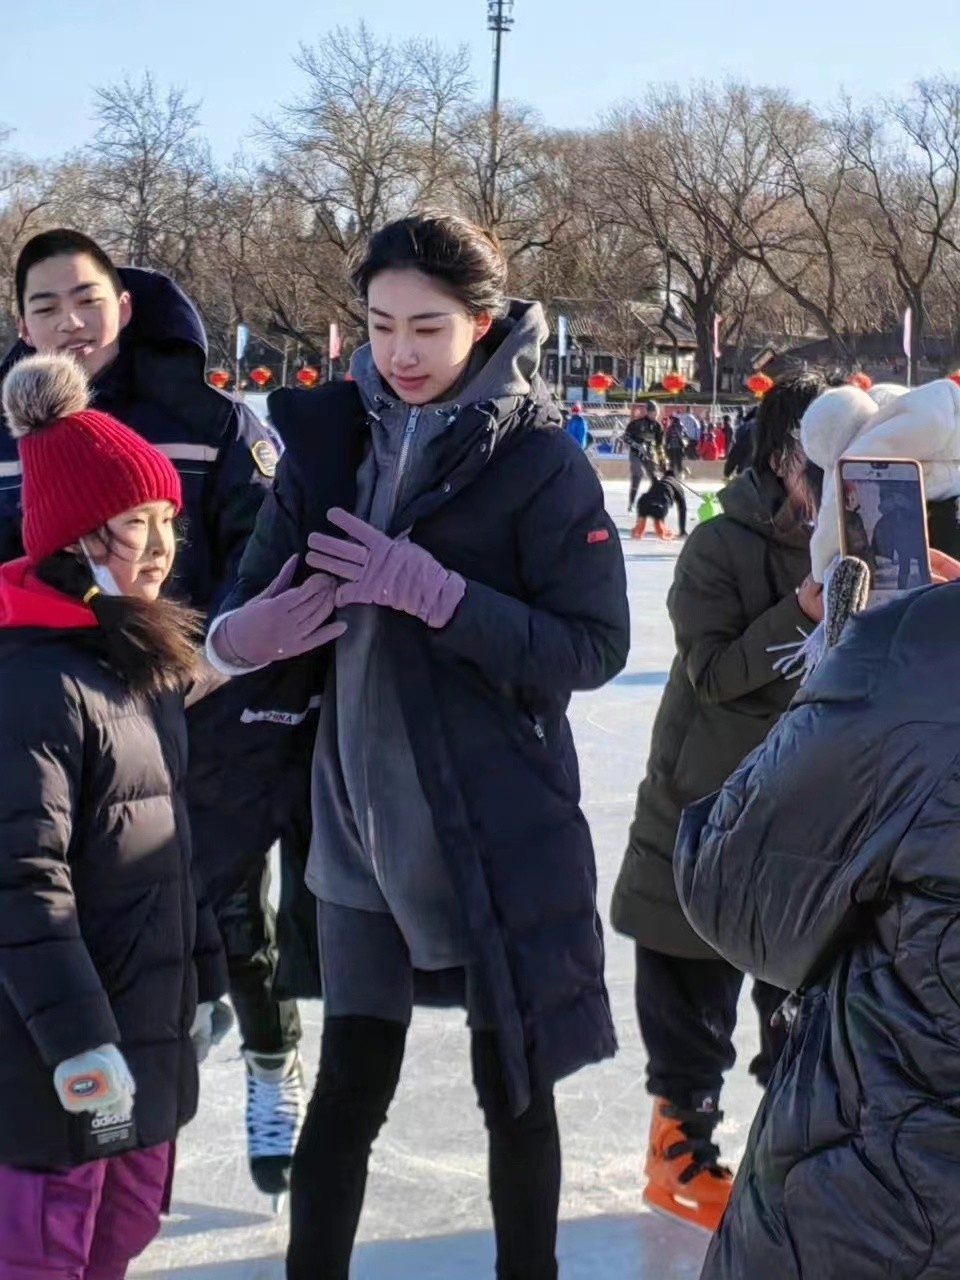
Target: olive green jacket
x=733, y=598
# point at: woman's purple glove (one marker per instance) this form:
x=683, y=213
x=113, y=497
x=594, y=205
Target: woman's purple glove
x=281, y=622
x=388, y=571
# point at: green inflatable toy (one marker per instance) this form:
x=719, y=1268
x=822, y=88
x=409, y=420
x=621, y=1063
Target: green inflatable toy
x=708, y=509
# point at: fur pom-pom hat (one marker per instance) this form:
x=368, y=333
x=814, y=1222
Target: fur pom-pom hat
x=80, y=467
x=885, y=422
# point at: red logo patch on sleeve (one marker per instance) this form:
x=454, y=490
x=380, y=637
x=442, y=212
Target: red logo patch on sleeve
x=598, y=535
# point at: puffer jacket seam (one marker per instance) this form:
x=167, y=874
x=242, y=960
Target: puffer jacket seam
x=917, y=1200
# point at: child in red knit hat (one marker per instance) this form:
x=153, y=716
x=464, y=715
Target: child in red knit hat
x=103, y=952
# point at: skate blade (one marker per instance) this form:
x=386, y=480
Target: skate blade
x=678, y=1211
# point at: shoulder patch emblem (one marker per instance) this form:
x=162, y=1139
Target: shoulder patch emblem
x=266, y=457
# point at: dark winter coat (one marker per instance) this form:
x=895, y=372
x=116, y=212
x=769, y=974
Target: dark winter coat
x=515, y=508
x=943, y=526
x=643, y=437
x=241, y=784
x=828, y=865
x=740, y=453
x=99, y=938
x=676, y=440
x=655, y=502
x=733, y=597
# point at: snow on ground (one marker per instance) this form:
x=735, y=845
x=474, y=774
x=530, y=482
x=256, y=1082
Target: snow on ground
x=427, y=1215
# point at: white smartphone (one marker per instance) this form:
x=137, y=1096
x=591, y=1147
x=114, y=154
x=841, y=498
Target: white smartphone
x=883, y=521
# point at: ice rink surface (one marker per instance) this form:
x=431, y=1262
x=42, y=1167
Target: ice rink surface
x=426, y=1215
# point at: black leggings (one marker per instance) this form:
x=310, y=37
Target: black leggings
x=359, y=1069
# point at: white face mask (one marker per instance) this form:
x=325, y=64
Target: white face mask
x=102, y=576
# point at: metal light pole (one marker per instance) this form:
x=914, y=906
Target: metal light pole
x=499, y=21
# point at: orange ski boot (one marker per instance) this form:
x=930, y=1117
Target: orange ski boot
x=684, y=1177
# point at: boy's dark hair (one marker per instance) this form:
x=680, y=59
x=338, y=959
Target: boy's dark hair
x=56, y=244
x=152, y=647
x=457, y=254
x=776, y=425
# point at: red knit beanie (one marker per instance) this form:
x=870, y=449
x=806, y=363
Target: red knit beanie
x=80, y=467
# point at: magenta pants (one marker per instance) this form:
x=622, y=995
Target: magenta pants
x=85, y=1223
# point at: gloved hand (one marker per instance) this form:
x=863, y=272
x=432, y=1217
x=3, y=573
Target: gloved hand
x=98, y=1081
x=394, y=572
x=211, y=1023
x=281, y=622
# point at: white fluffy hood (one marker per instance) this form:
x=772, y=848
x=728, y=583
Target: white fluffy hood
x=885, y=422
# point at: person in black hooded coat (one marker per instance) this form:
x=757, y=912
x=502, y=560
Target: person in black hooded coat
x=741, y=592
x=448, y=834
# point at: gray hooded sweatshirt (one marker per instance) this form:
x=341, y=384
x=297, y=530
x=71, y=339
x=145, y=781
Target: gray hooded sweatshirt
x=374, y=844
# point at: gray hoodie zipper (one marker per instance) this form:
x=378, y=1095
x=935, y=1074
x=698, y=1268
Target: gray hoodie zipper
x=409, y=432
x=403, y=461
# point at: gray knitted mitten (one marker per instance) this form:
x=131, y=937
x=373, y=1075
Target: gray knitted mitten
x=848, y=591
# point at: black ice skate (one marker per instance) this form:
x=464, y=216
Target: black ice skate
x=276, y=1106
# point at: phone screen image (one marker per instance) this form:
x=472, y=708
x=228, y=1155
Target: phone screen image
x=884, y=523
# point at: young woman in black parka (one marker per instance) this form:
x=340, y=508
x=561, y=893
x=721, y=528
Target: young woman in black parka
x=742, y=590
x=103, y=953
x=460, y=534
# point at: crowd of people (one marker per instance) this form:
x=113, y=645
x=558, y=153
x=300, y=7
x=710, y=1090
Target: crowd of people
x=357, y=632
x=390, y=654
x=659, y=455
x=675, y=439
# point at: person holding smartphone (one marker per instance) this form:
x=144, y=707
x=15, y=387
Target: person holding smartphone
x=888, y=422
x=827, y=865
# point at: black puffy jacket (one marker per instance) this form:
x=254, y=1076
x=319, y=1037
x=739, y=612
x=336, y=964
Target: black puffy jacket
x=829, y=865
x=99, y=936
x=516, y=509
x=731, y=602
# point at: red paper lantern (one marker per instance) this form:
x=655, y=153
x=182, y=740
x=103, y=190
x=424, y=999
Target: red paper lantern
x=218, y=378
x=861, y=380
x=600, y=382
x=674, y=383
x=759, y=384
x=260, y=376
x=308, y=376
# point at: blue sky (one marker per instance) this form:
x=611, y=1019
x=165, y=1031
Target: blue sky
x=569, y=58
